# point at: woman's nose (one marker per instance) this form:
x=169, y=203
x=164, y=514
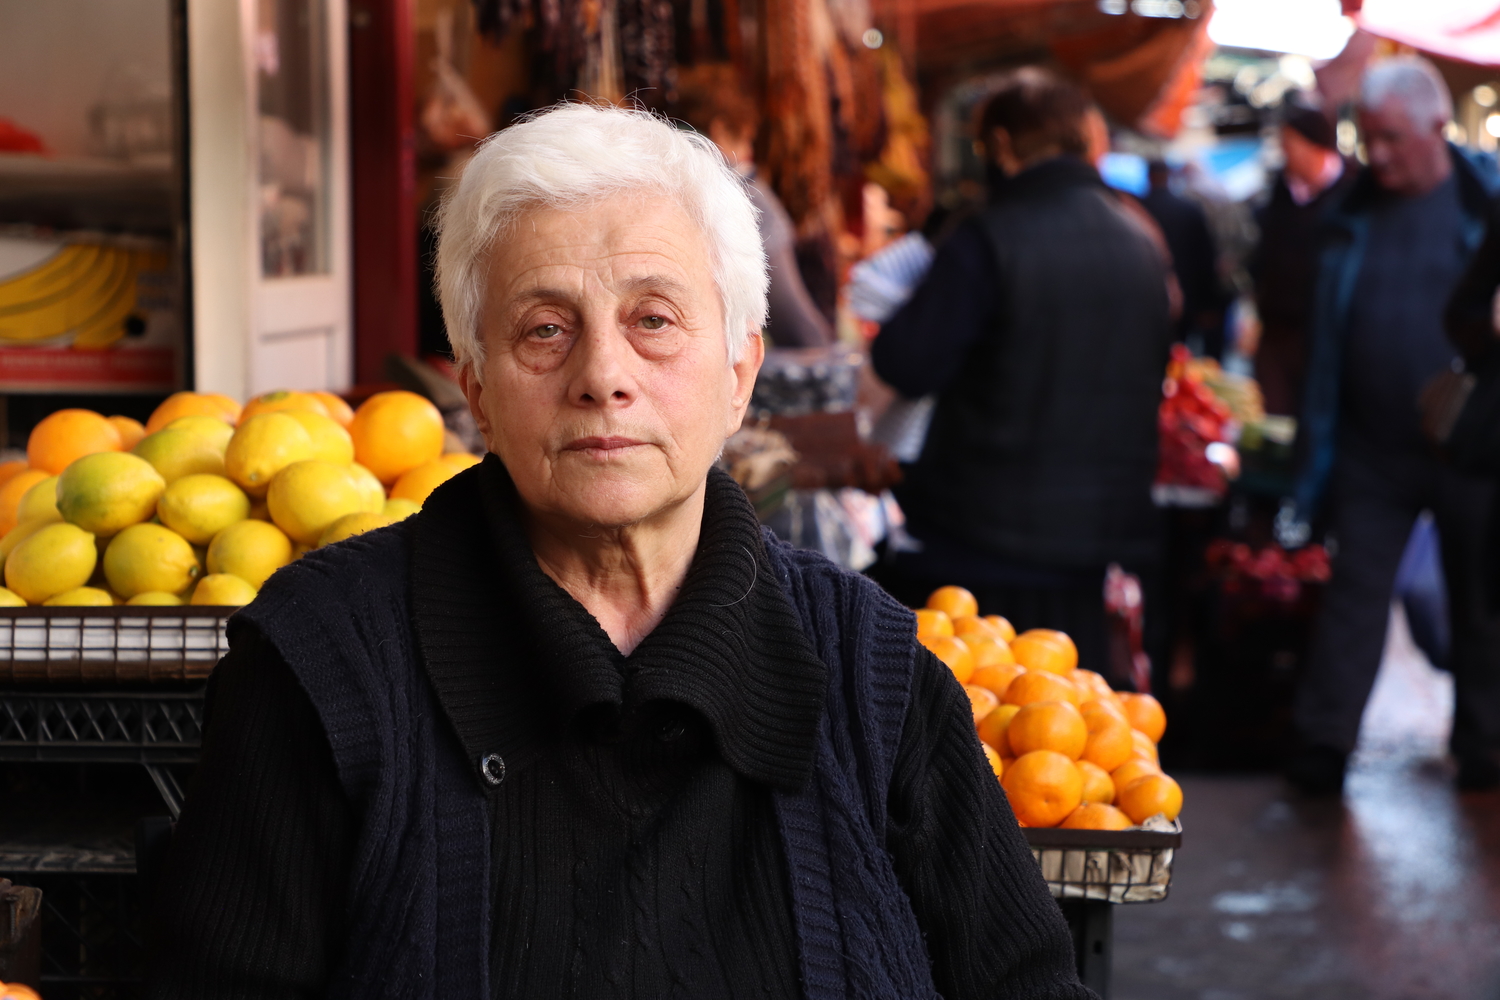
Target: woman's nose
x=601, y=367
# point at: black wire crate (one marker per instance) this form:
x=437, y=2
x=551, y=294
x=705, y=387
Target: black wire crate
x=90, y=934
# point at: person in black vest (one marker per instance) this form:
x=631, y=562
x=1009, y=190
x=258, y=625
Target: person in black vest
x=579, y=728
x=1285, y=264
x=1043, y=326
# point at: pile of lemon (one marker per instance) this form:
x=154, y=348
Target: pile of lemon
x=206, y=500
x=1068, y=750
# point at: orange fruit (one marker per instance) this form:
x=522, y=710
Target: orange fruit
x=996, y=764
x=336, y=407
x=1109, y=743
x=1148, y=795
x=931, y=622
x=12, y=493
x=1094, y=684
x=1045, y=649
x=956, y=601
x=9, y=470
x=15, y=991
x=1131, y=770
x=1142, y=747
x=1043, y=787
x=1048, y=725
x=417, y=484
x=1145, y=713
x=281, y=401
x=952, y=651
x=989, y=650
x=1098, y=786
x=461, y=460
x=982, y=701
x=968, y=625
x=1103, y=706
x=192, y=404
x=67, y=435
x=131, y=431
x=993, y=729
x=1002, y=626
x=1096, y=816
x=996, y=677
x=396, y=431
x=1035, y=685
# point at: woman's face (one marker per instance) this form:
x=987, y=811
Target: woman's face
x=606, y=386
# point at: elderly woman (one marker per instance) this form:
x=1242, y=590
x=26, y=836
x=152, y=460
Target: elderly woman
x=579, y=729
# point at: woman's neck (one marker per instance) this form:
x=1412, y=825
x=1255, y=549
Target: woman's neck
x=626, y=577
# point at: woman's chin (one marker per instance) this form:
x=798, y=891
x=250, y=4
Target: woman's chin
x=615, y=499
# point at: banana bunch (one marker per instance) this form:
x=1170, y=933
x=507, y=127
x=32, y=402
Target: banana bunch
x=86, y=289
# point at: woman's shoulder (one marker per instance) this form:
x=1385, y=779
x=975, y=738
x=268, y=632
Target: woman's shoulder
x=811, y=579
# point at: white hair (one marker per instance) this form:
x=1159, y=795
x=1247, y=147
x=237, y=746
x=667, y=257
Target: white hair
x=572, y=155
x=1412, y=82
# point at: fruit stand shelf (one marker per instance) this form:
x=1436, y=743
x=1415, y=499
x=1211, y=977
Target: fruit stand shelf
x=1115, y=866
x=113, y=646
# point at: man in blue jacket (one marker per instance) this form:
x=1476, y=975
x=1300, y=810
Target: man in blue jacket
x=1395, y=250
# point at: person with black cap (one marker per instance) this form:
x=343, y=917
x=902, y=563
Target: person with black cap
x=1285, y=265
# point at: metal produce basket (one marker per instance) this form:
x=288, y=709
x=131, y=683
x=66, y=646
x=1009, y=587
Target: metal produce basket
x=1114, y=866
x=114, y=646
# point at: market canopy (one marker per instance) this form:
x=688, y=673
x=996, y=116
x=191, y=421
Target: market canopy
x=1464, y=30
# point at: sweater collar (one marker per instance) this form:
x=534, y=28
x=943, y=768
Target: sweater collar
x=514, y=657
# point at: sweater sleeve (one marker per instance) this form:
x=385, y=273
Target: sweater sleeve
x=923, y=347
x=993, y=930
x=251, y=902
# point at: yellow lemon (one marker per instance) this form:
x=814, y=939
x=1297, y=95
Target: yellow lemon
x=199, y=507
x=223, y=589
x=40, y=502
x=15, y=536
x=211, y=428
x=460, y=459
x=10, y=599
x=251, y=550
x=182, y=451
x=105, y=492
x=416, y=484
x=56, y=558
x=350, y=525
x=398, y=509
x=369, y=488
x=306, y=497
x=155, y=598
x=90, y=597
x=262, y=447
x=331, y=443
x=149, y=557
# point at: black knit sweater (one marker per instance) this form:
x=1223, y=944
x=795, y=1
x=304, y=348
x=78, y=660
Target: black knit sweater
x=635, y=850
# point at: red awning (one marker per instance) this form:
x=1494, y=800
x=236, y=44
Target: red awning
x=1465, y=30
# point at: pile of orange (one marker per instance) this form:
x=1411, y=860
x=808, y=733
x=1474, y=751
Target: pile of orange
x=1069, y=750
x=306, y=465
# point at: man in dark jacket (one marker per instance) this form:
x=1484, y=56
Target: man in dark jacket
x=1285, y=268
x=1195, y=260
x=1397, y=247
x=1043, y=327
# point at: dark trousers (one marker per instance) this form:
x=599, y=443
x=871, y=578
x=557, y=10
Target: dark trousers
x=1375, y=503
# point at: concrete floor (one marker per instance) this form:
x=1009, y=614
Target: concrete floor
x=1391, y=894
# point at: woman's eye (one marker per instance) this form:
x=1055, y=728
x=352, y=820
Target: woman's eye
x=653, y=322
x=547, y=330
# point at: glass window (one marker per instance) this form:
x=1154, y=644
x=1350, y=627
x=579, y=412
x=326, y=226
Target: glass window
x=292, y=79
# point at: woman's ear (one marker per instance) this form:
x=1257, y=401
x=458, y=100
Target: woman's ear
x=752, y=355
x=468, y=381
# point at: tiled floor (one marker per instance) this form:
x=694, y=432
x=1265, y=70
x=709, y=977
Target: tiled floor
x=1391, y=894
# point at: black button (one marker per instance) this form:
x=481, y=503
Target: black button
x=492, y=769
x=671, y=730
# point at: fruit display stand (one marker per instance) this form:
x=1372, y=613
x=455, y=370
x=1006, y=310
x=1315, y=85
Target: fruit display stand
x=1089, y=872
x=82, y=689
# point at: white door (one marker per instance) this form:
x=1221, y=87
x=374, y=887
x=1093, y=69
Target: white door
x=300, y=334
